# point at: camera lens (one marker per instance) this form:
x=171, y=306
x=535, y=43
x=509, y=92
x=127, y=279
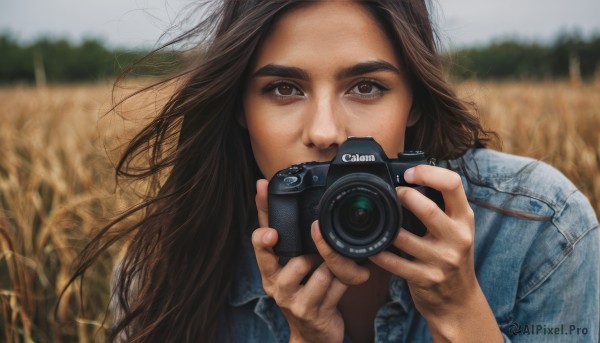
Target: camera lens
x=359, y=215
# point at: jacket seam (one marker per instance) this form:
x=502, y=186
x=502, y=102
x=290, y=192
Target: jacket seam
x=518, y=191
x=510, y=212
x=556, y=263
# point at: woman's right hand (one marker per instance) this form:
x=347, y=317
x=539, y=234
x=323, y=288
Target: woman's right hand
x=308, y=303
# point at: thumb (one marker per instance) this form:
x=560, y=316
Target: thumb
x=261, y=203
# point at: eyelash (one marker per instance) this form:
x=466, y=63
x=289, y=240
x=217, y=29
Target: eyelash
x=271, y=88
x=381, y=88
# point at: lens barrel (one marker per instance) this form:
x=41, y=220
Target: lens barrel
x=359, y=215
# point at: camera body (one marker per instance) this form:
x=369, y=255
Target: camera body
x=353, y=196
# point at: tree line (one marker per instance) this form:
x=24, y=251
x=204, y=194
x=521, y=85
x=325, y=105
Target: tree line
x=570, y=55
x=58, y=60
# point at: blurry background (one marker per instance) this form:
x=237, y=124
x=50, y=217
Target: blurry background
x=531, y=67
x=138, y=23
x=512, y=39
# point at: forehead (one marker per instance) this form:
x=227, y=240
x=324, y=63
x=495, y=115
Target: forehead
x=341, y=30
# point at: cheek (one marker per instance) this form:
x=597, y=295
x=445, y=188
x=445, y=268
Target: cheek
x=268, y=137
x=393, y=128
x=386, y=124
x=391, y=136
x=260, y=142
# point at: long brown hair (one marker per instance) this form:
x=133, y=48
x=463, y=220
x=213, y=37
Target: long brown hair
x=177, y=271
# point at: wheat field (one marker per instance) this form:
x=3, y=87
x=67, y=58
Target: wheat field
x=58, y=149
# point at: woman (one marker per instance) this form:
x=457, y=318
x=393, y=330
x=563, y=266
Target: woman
x=285, y=82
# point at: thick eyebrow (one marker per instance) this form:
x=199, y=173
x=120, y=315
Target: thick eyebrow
x=282, y=71
x=365, y=68
x=352, y=71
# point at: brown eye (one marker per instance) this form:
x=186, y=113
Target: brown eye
x=367, y=88
x=285, y=89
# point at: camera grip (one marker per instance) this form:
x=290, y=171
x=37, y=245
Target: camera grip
x=283, y=217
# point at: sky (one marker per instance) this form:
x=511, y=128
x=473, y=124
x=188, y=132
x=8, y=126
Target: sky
x=139, y=23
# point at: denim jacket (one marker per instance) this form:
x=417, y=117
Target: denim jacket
x=537, y=246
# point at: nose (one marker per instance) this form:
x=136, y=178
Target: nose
x=324, y=126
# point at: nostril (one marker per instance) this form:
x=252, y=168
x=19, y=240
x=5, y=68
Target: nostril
x=325, y=146
x=328, y=153
x=323, y=132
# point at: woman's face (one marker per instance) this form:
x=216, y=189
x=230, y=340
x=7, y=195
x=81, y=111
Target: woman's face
x=325, y=72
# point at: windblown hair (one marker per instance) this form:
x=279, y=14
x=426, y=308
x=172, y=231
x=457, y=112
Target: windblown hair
x=177, y=271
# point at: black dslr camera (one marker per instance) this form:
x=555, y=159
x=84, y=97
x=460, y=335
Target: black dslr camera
x=353, y=196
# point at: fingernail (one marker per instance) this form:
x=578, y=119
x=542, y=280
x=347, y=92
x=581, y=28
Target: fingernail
x=268, y=237
x=409, y=175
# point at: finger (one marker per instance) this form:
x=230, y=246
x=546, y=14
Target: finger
x=446, y=181
x=411, y=271
x=263, y=240
x=317, y=286
x=427, y=211
x=296, y=270
x=334, y=294
x=345, y=269
x=261, y=202
x=420, y=248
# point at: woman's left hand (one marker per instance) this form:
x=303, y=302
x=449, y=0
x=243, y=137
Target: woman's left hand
x=441, y=277
x=442, y=273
